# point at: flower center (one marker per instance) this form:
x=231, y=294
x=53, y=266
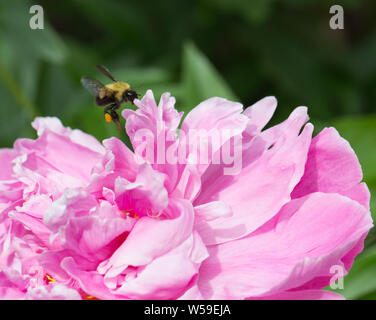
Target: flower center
x=130, y=214
x=48, y=279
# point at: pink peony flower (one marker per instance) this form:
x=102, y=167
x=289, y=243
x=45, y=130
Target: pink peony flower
x=254, y=214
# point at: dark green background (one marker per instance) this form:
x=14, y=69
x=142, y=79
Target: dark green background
x=242, y=50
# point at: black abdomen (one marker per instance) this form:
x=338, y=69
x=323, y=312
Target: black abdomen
x=105, y=101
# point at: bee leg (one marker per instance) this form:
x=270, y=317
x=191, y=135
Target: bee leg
x=115, y=118
x=111, y=115
x=108, y=110
x=113, y=106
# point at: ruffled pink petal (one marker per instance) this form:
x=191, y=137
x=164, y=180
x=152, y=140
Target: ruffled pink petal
x=304, y=295
x=212, y=210
x=61, y=153
x=216, y=121
x=259, y=114
x=215, y=114
x=332, y=166
x=307, y=237
x=18, y=263
x=12, y=284
x=215, y=117
x=10, y=187
x=150, y=116
x=52, y=292
x=51, y=261
x=189, y=184
x=146, y=196
x=6, y=158
x=11, y=294
x=31, y=216
x=262, y=188
x=207, y=213
x=156, y=124
x=98, y=235
x=90, y=281
x=252, y=144
x=10, y=192
x=192, y=293
x=175, y=270
x=49, y=164
x=73, y=203
x=120, y=159
x=51, y=161
x=167, y=276
x=162, y=236
x=53, y=124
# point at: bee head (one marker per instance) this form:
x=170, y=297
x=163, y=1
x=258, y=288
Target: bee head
x=130, y=95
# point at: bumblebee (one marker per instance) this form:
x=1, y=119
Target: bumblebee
x=111, y=95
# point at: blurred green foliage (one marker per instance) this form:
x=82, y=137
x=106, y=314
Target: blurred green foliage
x=242, y=50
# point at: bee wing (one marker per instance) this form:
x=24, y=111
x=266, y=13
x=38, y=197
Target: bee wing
x=91, y=85
x=106, y=72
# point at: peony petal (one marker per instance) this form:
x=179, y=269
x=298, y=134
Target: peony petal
x=215, y=114
x=156, y=124
x=174, y=271
x=31, y=216
x=304, y=295
x=301, y=243
x=146, y=196
x=73, y=203
x=11, y=293
x=53, y=124
x=121, y=160
x=90, y=281
x=150, y=116
x=51, y=261
x=49, y=164
x=259, y=114
x=332, y=166
x=59, y=152
x=52, y=292
x=212, y=210
x=192, y=293
x=6, y=158
x=10, y=187
x=189, y=184
x=262, y=188
x=162, y=236
x=98, y=235
x=215, y=118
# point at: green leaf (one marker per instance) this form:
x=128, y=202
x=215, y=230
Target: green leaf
x=256, y=11
x=361, y=133
x=362, y=64
x=27, y=43
x=58, y=92
x=200, y=79
x=13, y=123
x=11, y=84
x=141, y=76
